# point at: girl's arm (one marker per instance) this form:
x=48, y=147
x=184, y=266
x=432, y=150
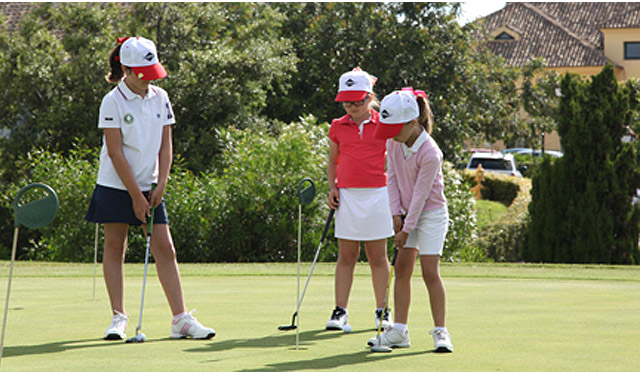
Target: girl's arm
x=427, y=173
x=165, y=159
x=334, y=193
x=113, y=140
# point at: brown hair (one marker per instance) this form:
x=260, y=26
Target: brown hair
x=426, y=116
x=116, y=73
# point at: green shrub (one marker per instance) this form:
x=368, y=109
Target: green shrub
x=462, y=218
x=505, y=239
x=69, y=237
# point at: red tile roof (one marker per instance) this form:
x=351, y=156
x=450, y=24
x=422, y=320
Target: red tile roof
x=13, y=13
x=565, y=34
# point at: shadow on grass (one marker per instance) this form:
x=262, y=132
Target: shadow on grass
x=334, y=361
x=307, y=338
x=56, y=347
x=279, y=339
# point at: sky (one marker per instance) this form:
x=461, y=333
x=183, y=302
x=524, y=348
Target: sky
x=478, y=8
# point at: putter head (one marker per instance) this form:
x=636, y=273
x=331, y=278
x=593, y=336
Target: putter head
x=381, y=349
x=140, y=337
x=289, y=327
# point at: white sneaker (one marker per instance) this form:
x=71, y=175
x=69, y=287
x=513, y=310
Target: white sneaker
x=188, y=326
x=117, y=328
x=339, y=318
x=386, y=319
x=391, y=337
x=442, y=341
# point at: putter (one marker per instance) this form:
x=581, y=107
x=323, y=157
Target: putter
x=33, y=214
x=379, y=348
x=324, y=233
x=140, y=337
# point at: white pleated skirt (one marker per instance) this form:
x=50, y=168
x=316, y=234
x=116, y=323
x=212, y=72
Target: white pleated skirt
x=364, y=214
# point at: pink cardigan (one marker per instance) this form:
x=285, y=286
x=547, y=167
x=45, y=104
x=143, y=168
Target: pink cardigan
x=415, y=184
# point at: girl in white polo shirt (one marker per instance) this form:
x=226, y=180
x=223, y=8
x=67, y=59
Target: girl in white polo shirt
x=137, y=152
x=357, y=181
x=416, y=192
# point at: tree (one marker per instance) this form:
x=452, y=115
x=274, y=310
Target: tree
x=581, y=208
x=471, y=91
x=221, y=58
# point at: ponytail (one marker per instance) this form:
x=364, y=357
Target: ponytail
x=116, y=73
x=426, y=116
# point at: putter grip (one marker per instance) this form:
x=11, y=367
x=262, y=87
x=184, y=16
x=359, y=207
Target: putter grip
x=326, y=225
x=151, y=212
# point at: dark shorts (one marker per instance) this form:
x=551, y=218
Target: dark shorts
x=109, y=205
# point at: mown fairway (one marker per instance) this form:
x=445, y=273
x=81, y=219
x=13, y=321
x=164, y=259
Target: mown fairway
x=501, y=317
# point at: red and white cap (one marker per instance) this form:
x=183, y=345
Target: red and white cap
x=141, y=56
x=355, y=85
x=396, y=109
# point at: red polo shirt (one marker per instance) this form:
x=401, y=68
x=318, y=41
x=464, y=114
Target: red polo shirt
x=361, y=156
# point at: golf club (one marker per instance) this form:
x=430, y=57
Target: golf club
x=324, y=233
x=379, y=348
x=140, y=337
x=33, y=214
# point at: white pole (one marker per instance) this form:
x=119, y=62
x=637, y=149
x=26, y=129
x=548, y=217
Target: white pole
x=95, y=261
x=298, y=295
x=6, y=306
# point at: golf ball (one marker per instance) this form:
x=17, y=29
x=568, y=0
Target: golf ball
x=141, y=337
x=347, y=328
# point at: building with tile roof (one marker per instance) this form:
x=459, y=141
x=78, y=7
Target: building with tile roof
x=13, y=13
x=578, y=37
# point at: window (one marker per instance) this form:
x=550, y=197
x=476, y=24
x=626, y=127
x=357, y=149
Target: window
x=632, y=50
x=504, y=36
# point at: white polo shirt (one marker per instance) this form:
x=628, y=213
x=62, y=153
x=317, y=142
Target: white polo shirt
x=141, y=121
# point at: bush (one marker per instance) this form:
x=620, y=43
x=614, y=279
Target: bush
x=505, y=239
x=496, y=187
x=462, y=218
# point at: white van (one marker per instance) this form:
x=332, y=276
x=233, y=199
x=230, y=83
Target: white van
x=494, y=162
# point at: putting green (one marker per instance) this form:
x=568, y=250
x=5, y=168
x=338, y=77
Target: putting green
x=501, y=317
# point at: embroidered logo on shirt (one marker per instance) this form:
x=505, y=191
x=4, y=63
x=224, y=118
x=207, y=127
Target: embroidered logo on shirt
x=385, y=114
x=128, y=119
x=108, y=119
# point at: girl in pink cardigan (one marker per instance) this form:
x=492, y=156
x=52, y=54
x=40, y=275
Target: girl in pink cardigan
x=419, y=209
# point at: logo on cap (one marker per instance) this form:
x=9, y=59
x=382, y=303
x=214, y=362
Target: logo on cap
x=385, y=114
x=349, y=83
x=149, y=57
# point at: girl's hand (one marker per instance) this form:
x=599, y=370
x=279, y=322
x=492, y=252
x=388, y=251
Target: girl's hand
x=334, y=198
x=141, y=207
x=397, y=224
x=155, y=198
x=400, y=239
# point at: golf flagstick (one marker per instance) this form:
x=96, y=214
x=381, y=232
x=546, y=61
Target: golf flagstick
x=379, y=348
x=95, y=261
x=299, y=249
x=34, y=214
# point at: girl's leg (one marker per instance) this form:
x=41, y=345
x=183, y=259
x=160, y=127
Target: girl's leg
x=115, y=247
x=431, y=275
x=402, y=294
x=348, y=253
x=167, y=267
x=376, y=251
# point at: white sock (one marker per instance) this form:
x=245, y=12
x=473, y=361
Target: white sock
x=176, y=317
x=440, y=329
x=400, y=327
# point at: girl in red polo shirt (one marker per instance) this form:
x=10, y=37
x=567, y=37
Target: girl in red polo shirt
x=358, y=192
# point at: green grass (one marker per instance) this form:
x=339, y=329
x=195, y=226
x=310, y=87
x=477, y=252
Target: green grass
x=488, y=211
x=502, y=317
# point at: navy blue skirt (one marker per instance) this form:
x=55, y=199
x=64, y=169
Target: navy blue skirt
x=109, y=205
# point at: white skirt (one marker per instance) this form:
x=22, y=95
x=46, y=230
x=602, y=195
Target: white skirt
x=364, y=214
